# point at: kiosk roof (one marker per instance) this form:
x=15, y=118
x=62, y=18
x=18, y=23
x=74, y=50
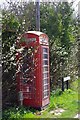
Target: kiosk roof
x=35, y=32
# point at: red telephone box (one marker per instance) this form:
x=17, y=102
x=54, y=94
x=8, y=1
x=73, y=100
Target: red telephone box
x=33, y=79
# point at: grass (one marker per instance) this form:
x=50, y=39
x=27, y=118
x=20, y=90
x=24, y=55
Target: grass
x=67, y=100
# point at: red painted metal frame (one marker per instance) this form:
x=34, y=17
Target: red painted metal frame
x=37, y=100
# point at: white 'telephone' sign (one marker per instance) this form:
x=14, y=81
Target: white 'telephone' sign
x=66, y=78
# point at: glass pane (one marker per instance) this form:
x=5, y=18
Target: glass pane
x=45, y=81
x=45, y=94
x=45, y=62
x=45, y=75
x=45, y=69
x=45, y=56
x=45, y=87
x=45, y=50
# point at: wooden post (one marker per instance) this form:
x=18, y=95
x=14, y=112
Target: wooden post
x=67, y=84
x=62, y=84
x=66, y=79
x=37, y=15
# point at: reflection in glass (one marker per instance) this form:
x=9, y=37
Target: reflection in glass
x=45, y=56
x=45, y=62
x=45, y=50
x=45, y=75
x=45, y=68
